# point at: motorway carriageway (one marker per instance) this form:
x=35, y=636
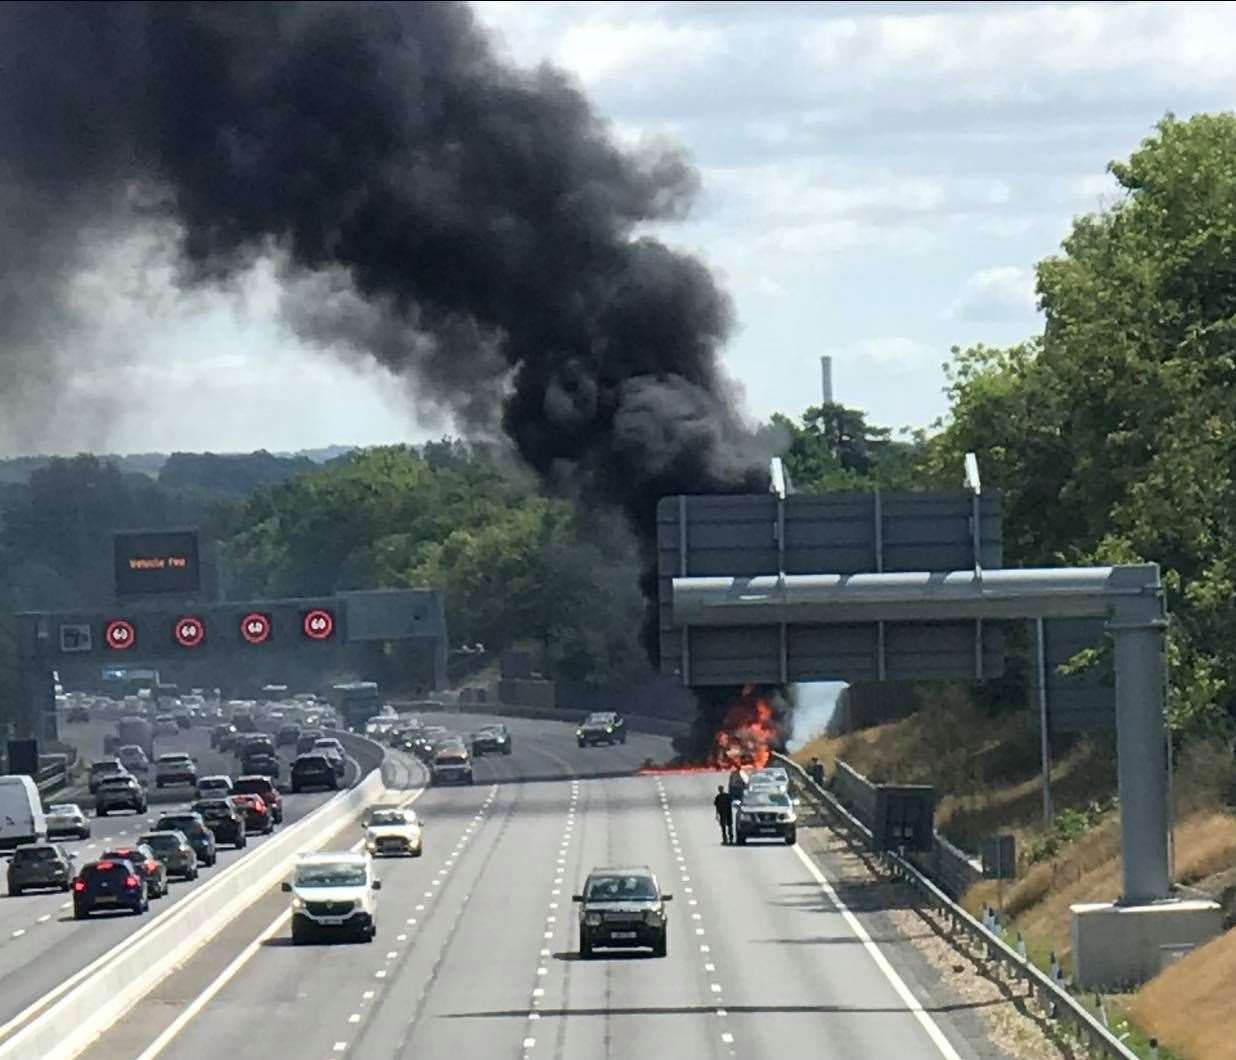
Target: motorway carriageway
x=41, y=945
x=476, y=954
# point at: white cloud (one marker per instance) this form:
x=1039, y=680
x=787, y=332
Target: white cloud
x=1002, y=293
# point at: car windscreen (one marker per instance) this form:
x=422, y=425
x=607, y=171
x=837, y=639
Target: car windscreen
x=161, y=843
x=388, y=817
x=179, y=824
x=311, y=761
x=213, y=809
x=768, y=798
x=63, y=809
x=620, y=888
x=330, y=875
x=173, y=760
x=117, y=783
x=34, y=854
x=251, y=787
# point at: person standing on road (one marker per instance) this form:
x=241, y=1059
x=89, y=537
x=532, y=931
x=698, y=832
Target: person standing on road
x=816, y=771
x=738, y=785
x=725, y=815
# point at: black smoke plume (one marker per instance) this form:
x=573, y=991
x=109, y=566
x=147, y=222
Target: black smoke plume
x=467, y=224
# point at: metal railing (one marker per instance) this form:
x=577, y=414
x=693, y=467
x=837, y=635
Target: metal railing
x=1051, y=995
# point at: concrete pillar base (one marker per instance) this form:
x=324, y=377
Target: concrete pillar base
x=1123, y=945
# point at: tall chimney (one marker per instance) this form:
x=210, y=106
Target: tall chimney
x=826, y=379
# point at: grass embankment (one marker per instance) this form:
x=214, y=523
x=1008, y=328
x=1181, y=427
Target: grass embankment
x=985, y=770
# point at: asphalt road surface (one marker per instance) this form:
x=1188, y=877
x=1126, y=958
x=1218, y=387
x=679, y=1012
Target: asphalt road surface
x=476, y=953
x=41, y=944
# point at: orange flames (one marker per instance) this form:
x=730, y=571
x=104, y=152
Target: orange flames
x=748, y=734
x=747, y=738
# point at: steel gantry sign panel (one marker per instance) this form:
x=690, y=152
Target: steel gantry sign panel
x=842, y=533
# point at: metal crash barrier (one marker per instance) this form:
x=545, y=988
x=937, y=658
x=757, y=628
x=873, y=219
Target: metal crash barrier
x=1051, y=996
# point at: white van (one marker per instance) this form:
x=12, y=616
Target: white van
x=21, y=812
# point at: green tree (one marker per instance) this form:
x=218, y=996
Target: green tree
x=1114, y=434
x=834, y=448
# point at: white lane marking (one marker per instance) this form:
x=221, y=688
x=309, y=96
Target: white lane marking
x=715, y=987
x=221, y=980
x=401, y=938
x=368, y=995
x=340, y=1046
x=19, y=932
x=529, y=1043
x=391, y=955
x=380, y=974
x=354, y=1018
x=728, y=1038
x=911, y=1002
x=229, y=973
x=44, y=918
x=65, y=905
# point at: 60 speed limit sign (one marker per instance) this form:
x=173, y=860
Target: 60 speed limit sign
x=319, y=624
x=190, y=631
x=255, y=627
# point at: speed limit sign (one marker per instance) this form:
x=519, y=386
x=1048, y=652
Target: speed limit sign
x=190, y=631
x=255, y=627
x=319, y=624
x=119, y=635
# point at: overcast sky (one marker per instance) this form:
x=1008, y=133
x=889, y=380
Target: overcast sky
x=878, y=182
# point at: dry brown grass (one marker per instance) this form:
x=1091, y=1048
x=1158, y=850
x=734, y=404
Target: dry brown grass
x=1189, y=1006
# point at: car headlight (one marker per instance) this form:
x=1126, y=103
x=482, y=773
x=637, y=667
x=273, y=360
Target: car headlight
x=298, y=903
x=609, y=728
x=592, y=919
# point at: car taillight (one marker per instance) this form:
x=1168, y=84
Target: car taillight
x=152, y=866
x=79, y=885
x=132, y=882
x=103, y=866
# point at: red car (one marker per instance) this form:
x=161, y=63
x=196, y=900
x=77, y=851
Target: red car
x=258, y=817
x=253, y=784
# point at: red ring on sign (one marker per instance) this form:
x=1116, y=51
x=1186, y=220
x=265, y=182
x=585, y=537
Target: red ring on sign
x=255, y=627
x=319, y=624
x=119, y=635
x=190, y=631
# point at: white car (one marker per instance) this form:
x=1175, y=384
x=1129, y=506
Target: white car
x=218, y=786
x=333, y=893
x=66, y=818
x=772, y=779
x=392, y=831
x=133, y=758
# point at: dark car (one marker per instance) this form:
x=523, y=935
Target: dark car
x=223, y=736
x=306, y=739
x=200, y=838
x=108, y=884
x=224, y=819
x=622, y=908
x=77, y=714
x=261, y=762
x=40, y=865
x=288, y=734
x=145, y=864
x=313, y=771
x=253, y=744
x=107, y=767
x=333, y=750
x=119, y=793
x=264, y=786
x=606, y=728
x=175, y=851
x=493, y=738
x=258, y=819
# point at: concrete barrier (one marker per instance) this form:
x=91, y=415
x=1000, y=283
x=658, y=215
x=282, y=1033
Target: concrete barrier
x=63, y=1023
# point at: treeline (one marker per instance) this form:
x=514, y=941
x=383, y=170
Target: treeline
x=1113, y=433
